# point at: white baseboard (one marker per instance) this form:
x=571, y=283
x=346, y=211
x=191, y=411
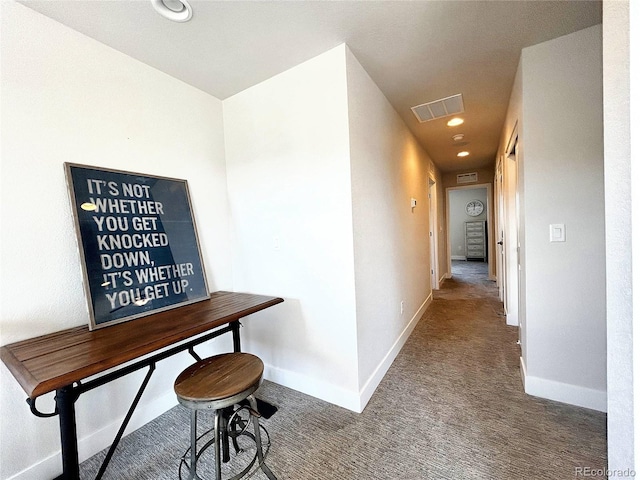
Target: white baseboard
x=376, y=377
x=342, y=397
x=458, y=257
x=312, y=386
x=563, y=392
x=51, y=466
x=512, y=319
x=97, y=441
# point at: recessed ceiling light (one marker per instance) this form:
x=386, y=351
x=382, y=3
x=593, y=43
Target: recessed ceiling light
x=176, y=10
x=454, y=122
x=458, y=137
x=463, y=154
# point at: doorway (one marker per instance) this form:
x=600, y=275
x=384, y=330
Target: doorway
x=469, y=228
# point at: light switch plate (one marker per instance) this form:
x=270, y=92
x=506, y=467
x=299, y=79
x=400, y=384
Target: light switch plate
x=557, y=232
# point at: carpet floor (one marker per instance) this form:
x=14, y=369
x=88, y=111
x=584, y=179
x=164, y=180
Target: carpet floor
x=451, y=407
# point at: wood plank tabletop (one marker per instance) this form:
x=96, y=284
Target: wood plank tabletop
x=46, y=363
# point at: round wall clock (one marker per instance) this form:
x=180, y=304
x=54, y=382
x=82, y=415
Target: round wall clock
x=475, y=208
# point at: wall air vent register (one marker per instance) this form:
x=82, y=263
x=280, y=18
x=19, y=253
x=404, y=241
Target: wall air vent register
x=467, y=177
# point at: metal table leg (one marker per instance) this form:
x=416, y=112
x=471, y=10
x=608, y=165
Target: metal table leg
x=65, y=405
x=235, y=329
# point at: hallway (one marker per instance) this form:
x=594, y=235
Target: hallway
x=469, y=280
x=450, y=407
x=516, y=436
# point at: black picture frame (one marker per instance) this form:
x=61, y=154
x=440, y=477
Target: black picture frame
x=138, y=243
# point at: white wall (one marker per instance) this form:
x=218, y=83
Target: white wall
x=67, y=98
x=287, y=147
x=561, y=181
x=458, y=199
x=622, y=418
x=634, y=116
x=319, y=164
x=390, y=240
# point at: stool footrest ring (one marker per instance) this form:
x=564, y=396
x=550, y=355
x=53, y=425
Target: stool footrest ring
x=234, y=422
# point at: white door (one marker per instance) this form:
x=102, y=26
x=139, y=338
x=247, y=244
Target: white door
x=433, y=235
x=500, y=253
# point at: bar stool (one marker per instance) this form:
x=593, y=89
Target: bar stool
x=219, y=383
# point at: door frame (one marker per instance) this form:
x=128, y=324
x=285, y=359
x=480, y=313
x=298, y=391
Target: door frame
x=433, y=233
x=513, y=299
x=499, y=203
x=490, y=235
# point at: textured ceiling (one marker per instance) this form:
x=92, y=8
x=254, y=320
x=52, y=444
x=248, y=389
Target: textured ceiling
x=416, y=51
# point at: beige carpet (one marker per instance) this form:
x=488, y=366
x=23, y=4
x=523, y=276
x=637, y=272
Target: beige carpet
x=450, y=407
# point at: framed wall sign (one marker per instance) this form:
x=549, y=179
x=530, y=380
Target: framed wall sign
x=138, y=243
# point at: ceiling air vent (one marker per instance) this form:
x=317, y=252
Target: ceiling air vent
x=439, y=108
x=468, y=177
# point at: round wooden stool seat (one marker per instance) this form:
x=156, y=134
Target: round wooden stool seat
x=219, y=381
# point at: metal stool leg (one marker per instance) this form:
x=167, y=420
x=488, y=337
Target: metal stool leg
x=256, y=427
x=216, y=443
x=194, y=440
x=224, y=432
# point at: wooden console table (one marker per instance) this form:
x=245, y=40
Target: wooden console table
x=61, y=360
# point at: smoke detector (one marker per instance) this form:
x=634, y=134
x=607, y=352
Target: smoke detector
x=175, y=10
